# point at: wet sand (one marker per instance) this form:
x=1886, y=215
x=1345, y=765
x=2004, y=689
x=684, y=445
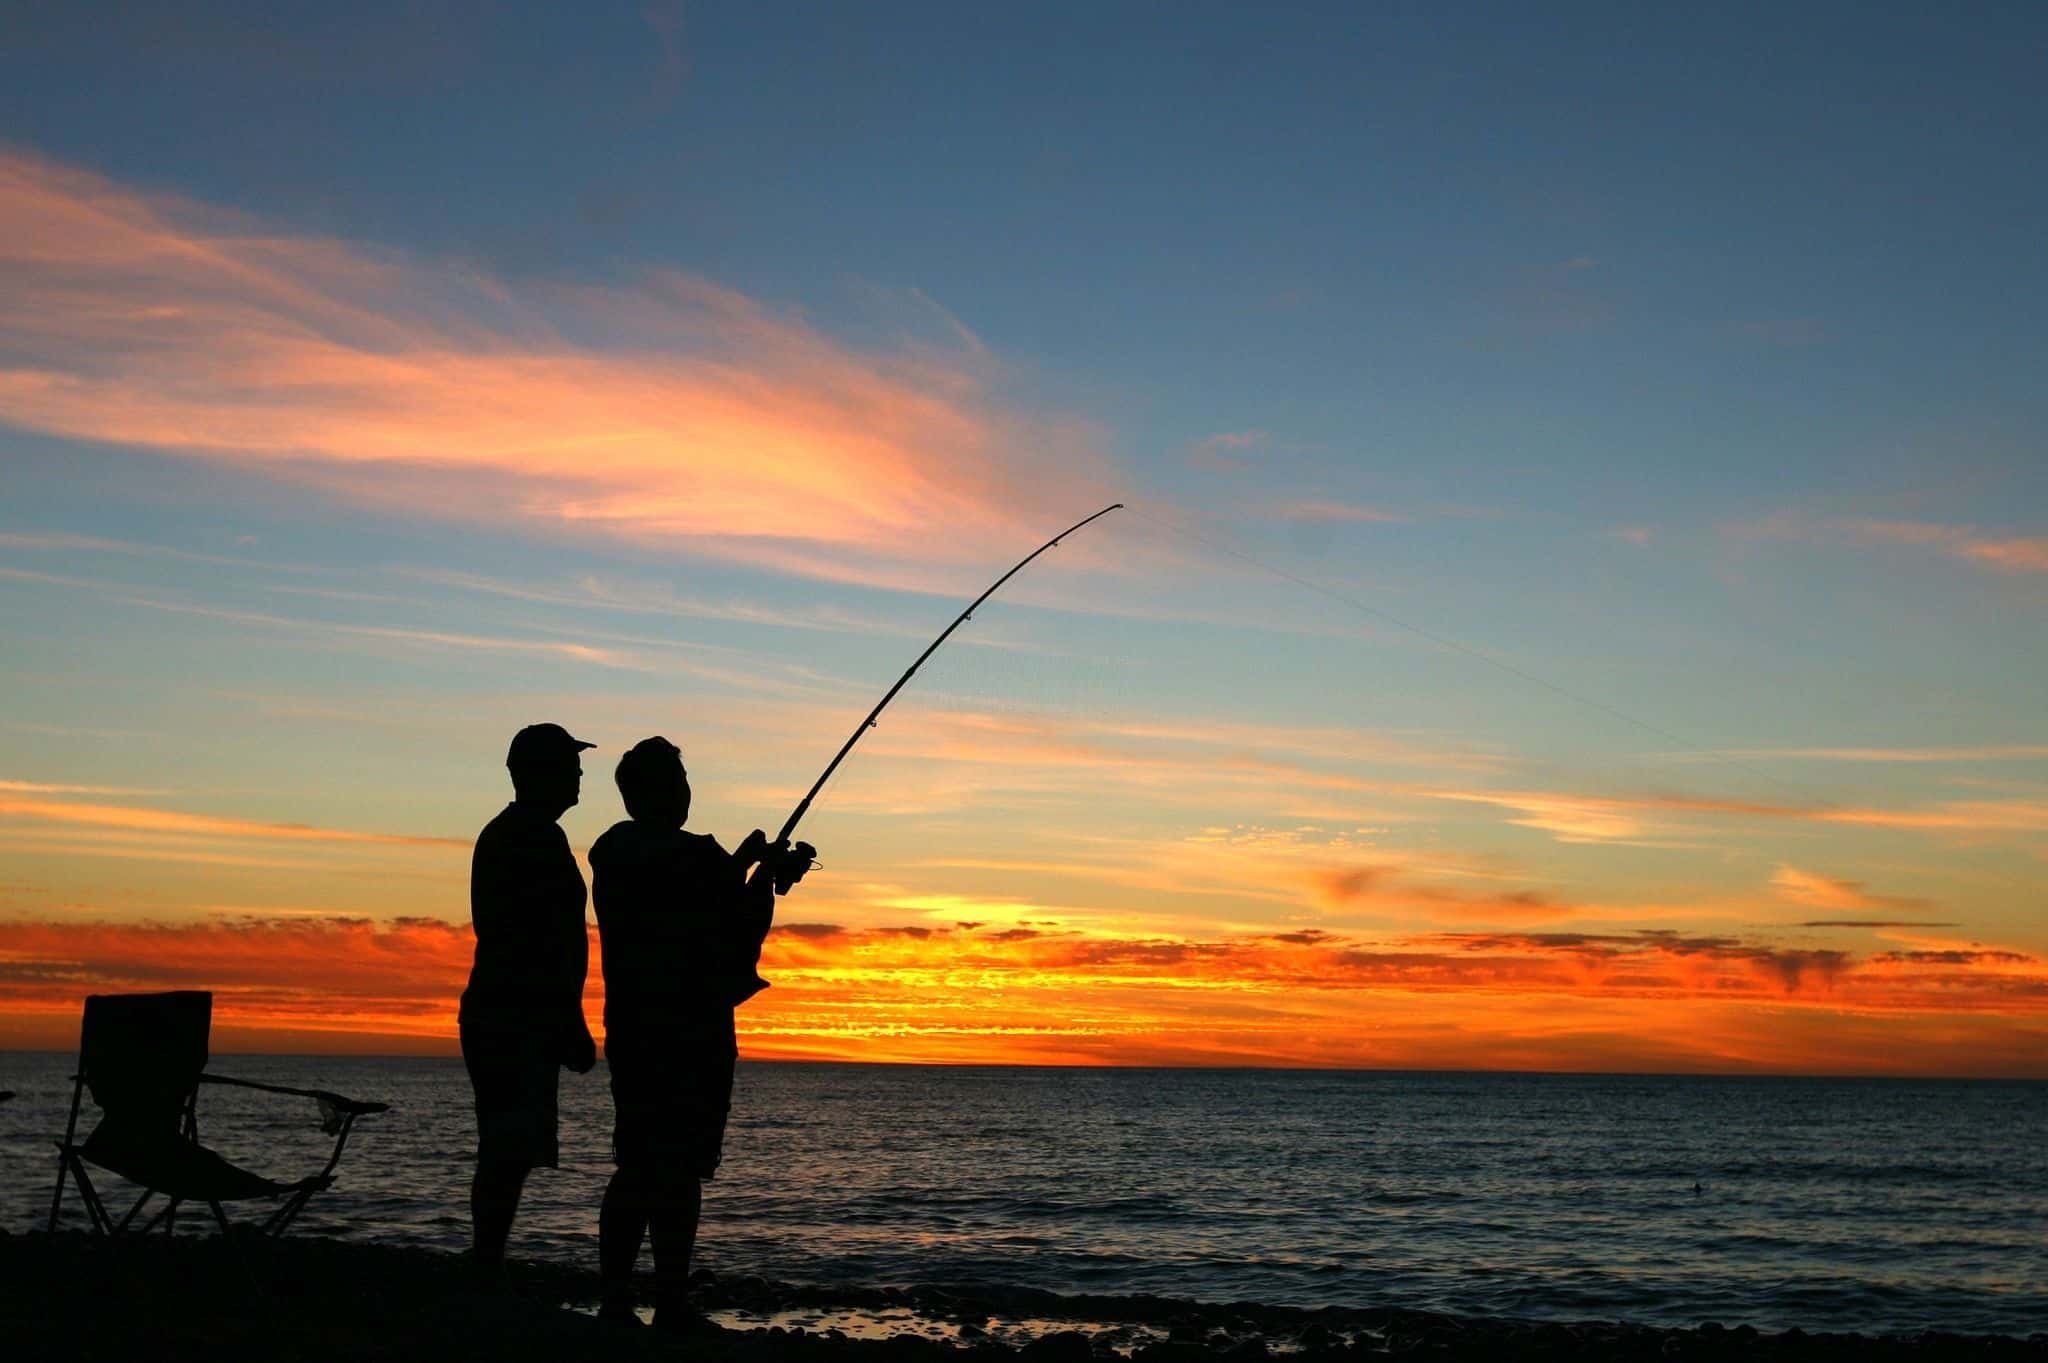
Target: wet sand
x=69, y=1296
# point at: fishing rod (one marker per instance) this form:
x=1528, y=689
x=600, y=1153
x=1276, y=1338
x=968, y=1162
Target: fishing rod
x=789, y=824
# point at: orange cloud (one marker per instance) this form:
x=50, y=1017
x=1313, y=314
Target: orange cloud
x=1600, y=818
x=139, y=819
x=1825, y=892
x=1378, y=885
x=1996, y=752
x=350, y=979
x=1646, y=999
x=708, y=420
x=2001, y=553
x=2011, y=554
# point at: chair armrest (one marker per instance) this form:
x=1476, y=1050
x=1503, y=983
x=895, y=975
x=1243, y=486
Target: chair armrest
x=354, y=1107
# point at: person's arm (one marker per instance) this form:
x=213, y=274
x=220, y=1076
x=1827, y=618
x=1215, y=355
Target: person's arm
x=507, y=908
x=579, y=1048
x=776, y=868
x=753, y=903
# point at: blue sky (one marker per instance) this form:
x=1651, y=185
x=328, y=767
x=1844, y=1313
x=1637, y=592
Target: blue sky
x=1686, y=360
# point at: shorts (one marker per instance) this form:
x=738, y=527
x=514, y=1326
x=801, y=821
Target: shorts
x=515, y=1084
x=671, y=1103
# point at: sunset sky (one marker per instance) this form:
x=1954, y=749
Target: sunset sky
x=1581, y=603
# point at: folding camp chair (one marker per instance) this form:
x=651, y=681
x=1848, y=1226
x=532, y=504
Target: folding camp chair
x=143, y=1056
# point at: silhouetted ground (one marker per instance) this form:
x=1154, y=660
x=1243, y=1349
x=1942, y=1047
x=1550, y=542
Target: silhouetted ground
x=70, y=1297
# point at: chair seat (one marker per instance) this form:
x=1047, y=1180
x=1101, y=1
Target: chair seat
x=174, y=1166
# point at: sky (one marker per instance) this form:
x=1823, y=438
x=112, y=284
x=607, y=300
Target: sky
x=1578, y=606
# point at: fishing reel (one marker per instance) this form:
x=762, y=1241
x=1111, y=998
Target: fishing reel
x=790, y=867
x=786, y=865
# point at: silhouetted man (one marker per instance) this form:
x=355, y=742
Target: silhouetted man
x=681, y=922
x=522, y=1015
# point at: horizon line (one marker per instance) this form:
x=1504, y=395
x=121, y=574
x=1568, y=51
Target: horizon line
x=455, y=1057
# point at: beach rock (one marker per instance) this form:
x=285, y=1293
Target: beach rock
x=1170, y=1350
x=901, y=1348
x=1061, y=1346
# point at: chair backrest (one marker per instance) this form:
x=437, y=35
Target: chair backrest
x=142, y=1054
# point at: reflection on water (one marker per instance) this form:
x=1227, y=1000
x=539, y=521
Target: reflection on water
x=890, y=1322
x=1827, y=1204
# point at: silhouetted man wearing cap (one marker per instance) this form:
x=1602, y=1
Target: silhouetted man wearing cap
x=682, y=923
x=522, y=1015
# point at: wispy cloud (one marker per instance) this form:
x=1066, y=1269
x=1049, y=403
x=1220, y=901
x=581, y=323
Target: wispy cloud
x=67, y=542
x=1225, y=450
x=1384, y=888
x=1594, y=818
x=143, y=819
x=2007, y=553
x=1873, y=923
x=1993, y=752
x=640, y=653
x=1330, y=512
x=435, y=638
x=590, y=592
x=1826, y=892
x=711, y=422
x=1999, y=552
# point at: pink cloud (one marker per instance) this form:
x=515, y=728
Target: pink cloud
x=144, y=820
x=706, y=421
x=2010, y=554
x=1998, y=552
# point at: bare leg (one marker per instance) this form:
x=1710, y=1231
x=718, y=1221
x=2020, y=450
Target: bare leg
x=621, y=1225
x=493, y=1201
x=679, y=1202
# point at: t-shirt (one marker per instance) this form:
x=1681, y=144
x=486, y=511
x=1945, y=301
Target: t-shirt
x=681, y=931
x=526, y=901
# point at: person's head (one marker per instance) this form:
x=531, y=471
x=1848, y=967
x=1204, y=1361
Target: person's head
x=653, y=783
x=547, y=767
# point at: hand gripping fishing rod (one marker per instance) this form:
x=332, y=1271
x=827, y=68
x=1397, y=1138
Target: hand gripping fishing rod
x=789, y=824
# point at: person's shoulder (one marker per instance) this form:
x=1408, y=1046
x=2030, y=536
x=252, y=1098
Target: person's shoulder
x=503, y=825
x=620, y=835
x=704, y=847
x=516, y=829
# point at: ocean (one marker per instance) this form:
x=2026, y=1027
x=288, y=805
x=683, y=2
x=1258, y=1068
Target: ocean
x=1826, y=1204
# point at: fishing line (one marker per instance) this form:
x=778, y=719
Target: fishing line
x=789, y=825
x=1452, y=644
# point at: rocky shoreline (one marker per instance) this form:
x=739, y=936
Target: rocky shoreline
x=70, y=1296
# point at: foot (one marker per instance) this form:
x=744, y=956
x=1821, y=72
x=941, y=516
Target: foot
x=485, y=1273
x=621, y=1314
x=682, y=1322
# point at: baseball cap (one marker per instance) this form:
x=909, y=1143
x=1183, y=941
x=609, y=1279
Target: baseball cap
x=541, y=743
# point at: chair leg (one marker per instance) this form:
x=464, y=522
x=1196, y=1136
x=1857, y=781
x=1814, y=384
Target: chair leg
x=57, y=1198
x=281, y=1220
x=101, y=1222
x=147, y=1194
x=165, y=1218
x=64, y=1155
x=220, y=1217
